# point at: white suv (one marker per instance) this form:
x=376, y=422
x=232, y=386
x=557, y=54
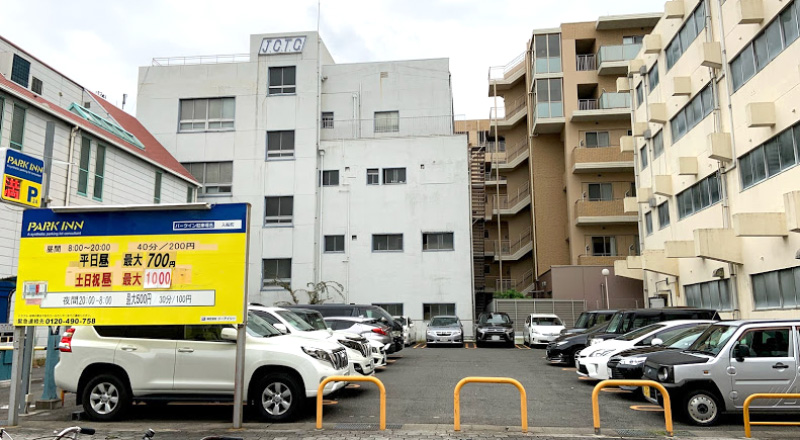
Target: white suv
x=110, y=367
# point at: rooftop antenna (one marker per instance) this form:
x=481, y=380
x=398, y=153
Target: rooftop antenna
x=124, y=100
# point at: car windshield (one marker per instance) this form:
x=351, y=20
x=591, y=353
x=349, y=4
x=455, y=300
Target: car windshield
x=712, y=340
x=312, y=318
x=495, y=318
x=615, y=323
x=583, y=320
x=295, y=321
x=600, y=318
x=444, y=321
x=377, y=313
x=546, y=321
x=685, y=338
x=638, y=333
x=259, y=328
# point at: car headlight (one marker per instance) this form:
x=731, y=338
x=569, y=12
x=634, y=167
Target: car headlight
x=561, y=343
x=481, y=330
x=456, y=333
x=431, y=332
x=595, y=341
x=665, y=374
x=633, y=361
x=319, y=354
x=601, y=352
x=353, y=345
x=509, y=330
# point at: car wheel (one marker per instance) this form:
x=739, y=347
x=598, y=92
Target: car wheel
x=278, y=397
x=106, y=397
x=701, y=407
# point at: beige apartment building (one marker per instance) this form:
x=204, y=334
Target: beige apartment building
x=716, y=137
x=555, y=177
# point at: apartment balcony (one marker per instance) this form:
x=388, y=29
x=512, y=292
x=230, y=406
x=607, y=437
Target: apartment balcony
x=611, y=106
x=502, y=78
x=613, y=60
x=510, y=114
x=514, y=157
x=491, y=179
x=510, y=203
x=599, y=260
x=548, y=118
x=513, y=250
x=602, y=212
x=601, y=160
x=586, y=62
x=523, y=284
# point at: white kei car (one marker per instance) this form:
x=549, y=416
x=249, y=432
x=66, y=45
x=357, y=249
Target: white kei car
x=541, y=328
x=592, y=361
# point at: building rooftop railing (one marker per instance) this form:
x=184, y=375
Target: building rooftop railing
x=500, y=72
x=202, y=59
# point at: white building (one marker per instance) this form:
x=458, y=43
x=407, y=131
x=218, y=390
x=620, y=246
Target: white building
x=381, y=206
x=100, y=155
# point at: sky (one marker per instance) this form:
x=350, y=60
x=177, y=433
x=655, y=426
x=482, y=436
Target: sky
x=101, y=44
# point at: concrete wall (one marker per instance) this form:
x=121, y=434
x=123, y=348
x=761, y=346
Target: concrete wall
x=587, y=283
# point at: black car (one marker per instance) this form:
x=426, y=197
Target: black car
x=629, y=364
x=588, y=320
x=360, y=310
x=494, y=327
x=563, y=349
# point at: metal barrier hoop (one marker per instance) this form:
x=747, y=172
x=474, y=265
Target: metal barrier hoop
x=746, y=410
x=376, y=381
x=475, y=379
x=636, y=383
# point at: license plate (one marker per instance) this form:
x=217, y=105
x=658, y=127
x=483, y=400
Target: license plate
x=495, y=338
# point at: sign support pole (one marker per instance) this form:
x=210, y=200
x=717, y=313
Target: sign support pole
x=241, y=338
x=27, y=358
x=16, y=394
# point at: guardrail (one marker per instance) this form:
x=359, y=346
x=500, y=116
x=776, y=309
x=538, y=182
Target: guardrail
x=635, y=383
x=752, y=397
x=377, y=382
x=474, y=379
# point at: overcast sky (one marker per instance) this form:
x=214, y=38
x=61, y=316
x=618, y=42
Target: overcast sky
x=100, y=44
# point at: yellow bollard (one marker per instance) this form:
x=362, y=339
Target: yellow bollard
x=457, y=397
x=634, y=383
x=752, y=397
x=377, y=382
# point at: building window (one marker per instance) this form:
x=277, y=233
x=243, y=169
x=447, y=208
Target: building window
x=643, y=156
x=652, y=76
x=275, y=271
x=387, y=122
x=692, y=113
x=20, y=70
x=394, y=175
x=37, y=86
x=549, y=100
x=282, y=80
x=189, y=194
x=437, y=241
x=431, y=310
x=633, y=39
x=639, y=94
x=334, y=243
x=691, y=28
x=648, y=222
x=778, y=289
x=394, y=309
x=772, y=157
x=387, y=242
x=99, y=172
x=206, y=114
x=663, y=215
x=600, y=192
x=327, y=119
x=216, y=177
x=280, y=144
x=596, y=139
x=373, y=176
x=279, y=210
x=710, y=295
x=17, y=127
x=604, y=246
x=775, y=37
x=658, y=144
x=83, y=166
x=330, y=178
x=699, y=196
x=157, y=192
x=547, y=53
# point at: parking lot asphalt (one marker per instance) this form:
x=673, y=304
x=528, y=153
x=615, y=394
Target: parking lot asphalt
x=419, y=388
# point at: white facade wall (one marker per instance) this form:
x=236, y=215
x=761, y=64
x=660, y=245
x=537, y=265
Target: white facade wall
x=354, y=91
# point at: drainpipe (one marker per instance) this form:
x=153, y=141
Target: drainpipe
x=531, y=103
x=636, y=179
x=68, y=191
x=497, y=184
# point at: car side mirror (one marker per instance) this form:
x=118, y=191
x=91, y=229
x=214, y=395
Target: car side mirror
x=656, y=341
x=741, y=351
x=281, y=328
x=511, y=322
x=229, y=334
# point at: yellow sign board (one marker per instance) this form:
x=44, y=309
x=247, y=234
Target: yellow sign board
x=22, y=178
x=157, y=267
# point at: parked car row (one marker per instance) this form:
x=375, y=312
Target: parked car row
x=289, y=351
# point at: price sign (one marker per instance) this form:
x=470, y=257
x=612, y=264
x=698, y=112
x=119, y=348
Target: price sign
x=157, y=278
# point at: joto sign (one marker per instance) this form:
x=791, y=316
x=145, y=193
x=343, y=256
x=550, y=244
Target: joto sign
x=162, y=267
x=22, y=178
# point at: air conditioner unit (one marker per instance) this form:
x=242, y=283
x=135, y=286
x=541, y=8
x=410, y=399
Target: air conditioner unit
x=652, y=202
x=648, y=135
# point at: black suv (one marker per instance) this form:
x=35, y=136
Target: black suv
x=588, y=320
x=494, y=327
x=360, y=310
x=564, y=349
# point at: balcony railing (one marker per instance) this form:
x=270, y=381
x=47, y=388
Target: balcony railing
x=388, y=128
x=511, y=247
x=610, y=153
x=586, y=62
x=492, y=177
x=615, y=100
x=614, y=247
x=620, y=52
x=510, y=199
x=518, y=149
x=509, y=108
x=520, y=284
x=202, y=59
x=599, y=208
x=500, y=72
x=588, y=104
